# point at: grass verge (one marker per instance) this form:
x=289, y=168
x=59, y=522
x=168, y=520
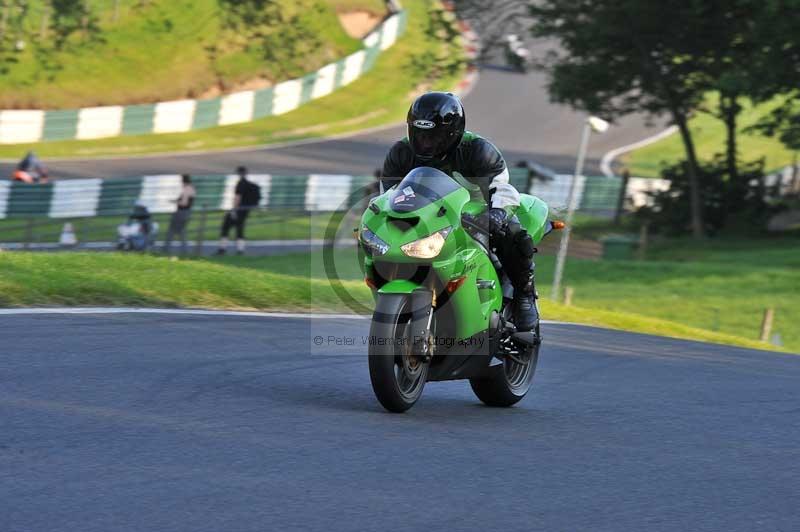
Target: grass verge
x=183, y=46
x=261, y=225
x=709, y=137
x=378, y=98
x=659, y=297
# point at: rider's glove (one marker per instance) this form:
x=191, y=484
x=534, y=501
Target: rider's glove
x=492, y=220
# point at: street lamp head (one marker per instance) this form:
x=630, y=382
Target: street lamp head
x=598, y=125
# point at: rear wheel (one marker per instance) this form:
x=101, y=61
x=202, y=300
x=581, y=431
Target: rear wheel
x=397, y=370
x=510, y=381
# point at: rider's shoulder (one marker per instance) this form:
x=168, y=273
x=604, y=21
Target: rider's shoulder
x=402, y=144
x=478, y=146
x=401, y=147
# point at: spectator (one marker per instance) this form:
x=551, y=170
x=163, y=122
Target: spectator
x=31, y=170
x=180, y=218
x=246, y=198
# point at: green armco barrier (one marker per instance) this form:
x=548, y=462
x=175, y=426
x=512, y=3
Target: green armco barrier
x=599, y=194
x=317, y=192
x=287, y=192
x=119, y=197
x=27, y=126
x=28, y=201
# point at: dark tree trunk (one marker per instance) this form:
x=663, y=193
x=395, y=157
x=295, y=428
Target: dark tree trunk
x=729, y=107
x=692, y=173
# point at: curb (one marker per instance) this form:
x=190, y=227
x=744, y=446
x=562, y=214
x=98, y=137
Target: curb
x=608, y=158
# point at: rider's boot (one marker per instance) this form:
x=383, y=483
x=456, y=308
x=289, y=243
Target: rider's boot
x=525, y=311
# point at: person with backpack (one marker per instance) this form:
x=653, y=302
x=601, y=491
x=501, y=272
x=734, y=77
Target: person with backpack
x=247, y=197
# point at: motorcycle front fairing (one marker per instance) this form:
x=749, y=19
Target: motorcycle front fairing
x=452, y=276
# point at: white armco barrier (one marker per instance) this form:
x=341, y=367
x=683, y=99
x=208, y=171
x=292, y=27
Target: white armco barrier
x=286, y=96
x=352, y=66
x=555, y=192
x=159, y=192
x=327, y=192
x=325, y=82
x=99, y=122
x=237, y=108
x=174, y=117
x=390, y=32
x=21, y=126
x=5, y=188
x=75, y=198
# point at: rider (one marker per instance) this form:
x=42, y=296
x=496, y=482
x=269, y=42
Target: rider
x=437, y=138
x=31, y=170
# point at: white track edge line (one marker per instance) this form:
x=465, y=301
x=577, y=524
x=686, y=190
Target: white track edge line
x=193, y=312
x=608, y=158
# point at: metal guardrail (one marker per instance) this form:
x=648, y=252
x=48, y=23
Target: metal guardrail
x=34, y=215
x=318, y=192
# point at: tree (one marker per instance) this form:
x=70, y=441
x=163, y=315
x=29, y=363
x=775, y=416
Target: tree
x=779, y=74
x=624, y=56
x=71, y=17
x=279, y=32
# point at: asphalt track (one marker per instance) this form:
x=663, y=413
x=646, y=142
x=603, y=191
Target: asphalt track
x=132, y=422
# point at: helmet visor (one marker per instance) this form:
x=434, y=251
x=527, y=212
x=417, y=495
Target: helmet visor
x=431, y=142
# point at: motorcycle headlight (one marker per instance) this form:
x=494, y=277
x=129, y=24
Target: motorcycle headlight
x=372, y=243
x=428, y=247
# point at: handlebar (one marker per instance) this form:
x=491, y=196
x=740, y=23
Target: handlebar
x=468, y=221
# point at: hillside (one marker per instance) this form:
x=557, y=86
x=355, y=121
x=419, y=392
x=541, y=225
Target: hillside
x=155, y=50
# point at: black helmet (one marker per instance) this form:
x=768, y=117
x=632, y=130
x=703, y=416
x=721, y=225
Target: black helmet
x=436, y=123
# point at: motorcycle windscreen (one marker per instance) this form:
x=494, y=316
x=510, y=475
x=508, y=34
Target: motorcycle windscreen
x=421, y=187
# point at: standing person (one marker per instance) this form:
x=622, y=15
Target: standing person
x=246, y=198
x=180, y=218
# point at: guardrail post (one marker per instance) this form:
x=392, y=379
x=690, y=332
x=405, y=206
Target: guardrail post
x=644, y=234
x=623, y=192
x=568, y=293
x=29, y=232
x=766, y=324
x=201, y=231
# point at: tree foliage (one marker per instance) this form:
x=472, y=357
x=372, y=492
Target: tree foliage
x=622, y=56
x=275, y=30
x=71, y=17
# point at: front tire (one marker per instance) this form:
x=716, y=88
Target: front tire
x=398, y=376
x=508, y=382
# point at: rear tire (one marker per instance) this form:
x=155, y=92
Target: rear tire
x=509, y=382
x=397, y=376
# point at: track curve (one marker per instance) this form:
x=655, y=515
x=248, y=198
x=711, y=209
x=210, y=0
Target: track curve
x=177, y=422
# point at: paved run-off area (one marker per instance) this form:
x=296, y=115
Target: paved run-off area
x=180, y=422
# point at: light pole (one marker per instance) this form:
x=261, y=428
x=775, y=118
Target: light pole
x=598, y=125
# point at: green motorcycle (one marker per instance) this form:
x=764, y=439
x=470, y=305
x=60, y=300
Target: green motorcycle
x=442, y=302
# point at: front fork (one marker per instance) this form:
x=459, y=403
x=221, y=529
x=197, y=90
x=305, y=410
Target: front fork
x=422, y=303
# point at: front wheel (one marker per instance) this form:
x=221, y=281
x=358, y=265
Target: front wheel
x=510, y=381
x=398, y=374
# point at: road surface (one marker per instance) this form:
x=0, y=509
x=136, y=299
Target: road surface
x=132, y=422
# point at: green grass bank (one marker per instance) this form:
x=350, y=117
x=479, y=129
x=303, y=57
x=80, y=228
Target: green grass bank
x=186, y=47
x=719, y=299
x=426, y=57
x=709, y=137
